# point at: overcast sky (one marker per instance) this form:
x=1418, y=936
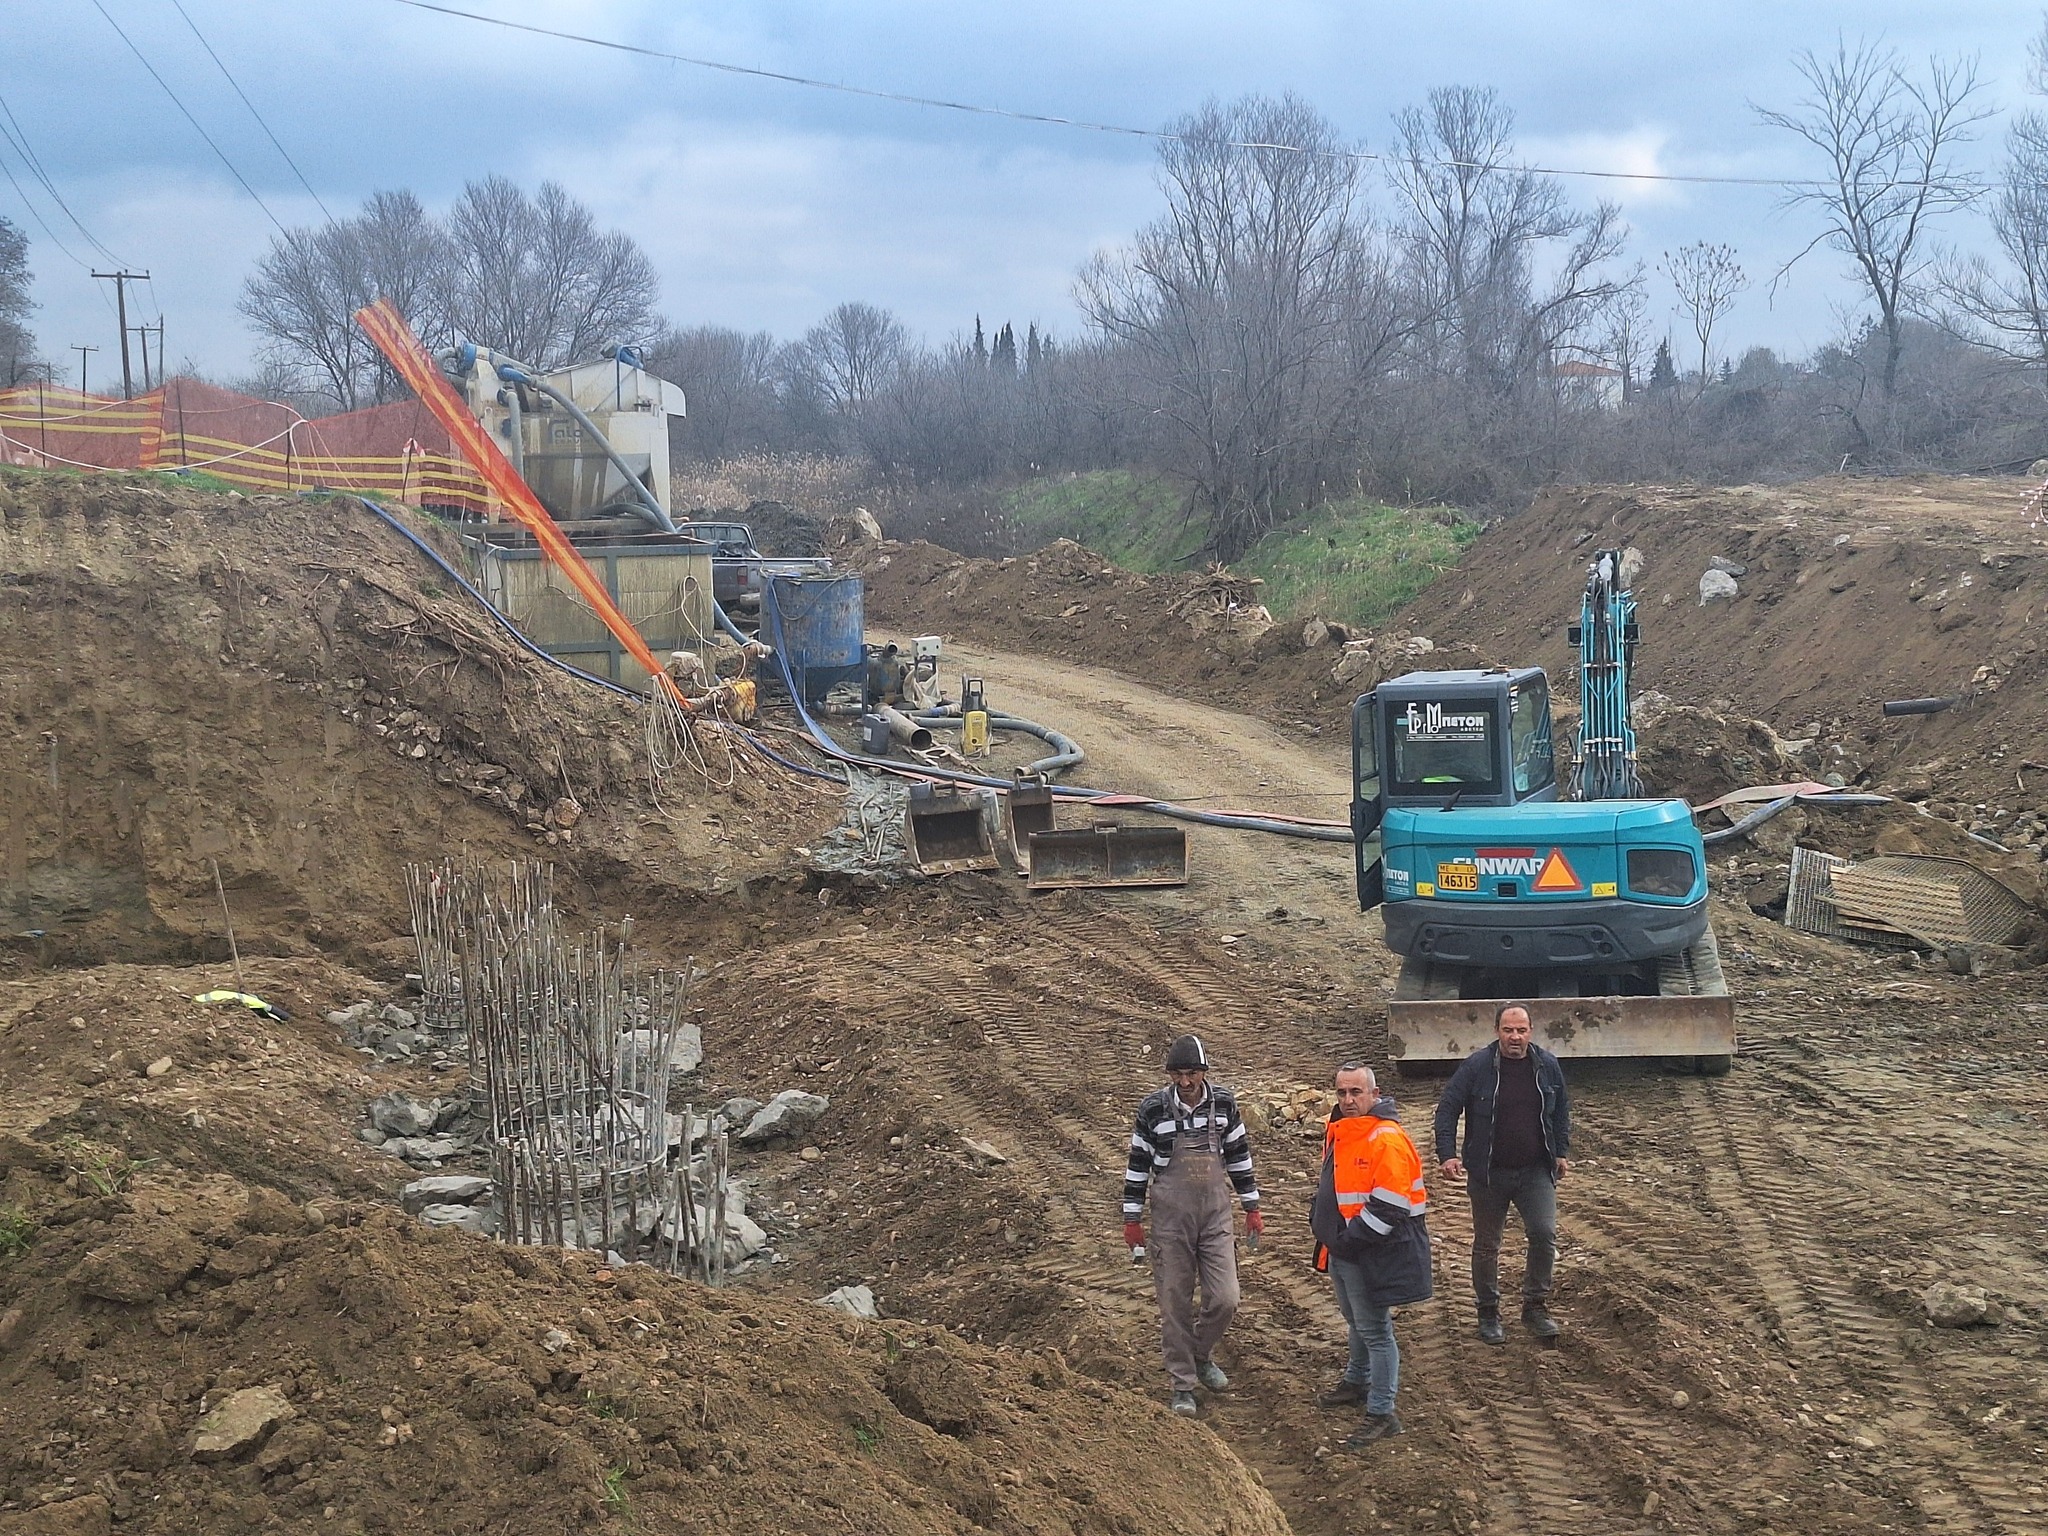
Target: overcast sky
x=763, y=204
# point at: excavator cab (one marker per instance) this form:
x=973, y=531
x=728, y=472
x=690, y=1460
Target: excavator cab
x=1446, y=740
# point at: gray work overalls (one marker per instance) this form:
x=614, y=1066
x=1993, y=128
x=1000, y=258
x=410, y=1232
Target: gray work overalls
x=1191, y=1240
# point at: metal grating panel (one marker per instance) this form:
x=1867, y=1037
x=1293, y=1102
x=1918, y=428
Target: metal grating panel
x=1937, y=900
x=1809, y=904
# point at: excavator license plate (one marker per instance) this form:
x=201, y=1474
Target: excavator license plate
x=1457, y=877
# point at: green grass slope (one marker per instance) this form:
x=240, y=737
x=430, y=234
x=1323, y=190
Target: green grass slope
x=1355, y=560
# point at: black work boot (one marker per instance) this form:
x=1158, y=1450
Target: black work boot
x=1490, y=1331
x=1377, y=1426
x=1537, y=1319
x=1342, y=1395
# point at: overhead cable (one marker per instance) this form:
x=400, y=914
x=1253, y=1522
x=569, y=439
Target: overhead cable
x=288, y=160
x=37, y=216
x=17, y=136
x=1083, y=124
x=210, y=144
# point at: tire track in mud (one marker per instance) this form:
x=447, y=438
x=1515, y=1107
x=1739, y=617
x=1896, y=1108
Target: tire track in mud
x=1834, y=1333
x=1506, y=1405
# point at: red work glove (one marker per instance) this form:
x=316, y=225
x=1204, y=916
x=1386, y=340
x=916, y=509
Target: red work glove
x=1134, y=1234
x=1254, y=1228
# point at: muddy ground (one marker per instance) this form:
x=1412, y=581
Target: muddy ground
x=1746, y=1348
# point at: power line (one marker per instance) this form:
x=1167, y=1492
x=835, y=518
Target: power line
x=35, y=214
x=224, y=160
x=1083, y=124
x=288, y=160
x=18, y=137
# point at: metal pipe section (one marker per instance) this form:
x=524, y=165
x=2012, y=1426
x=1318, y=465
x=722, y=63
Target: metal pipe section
x=1764, y=813
x=905, y=729
x=1919, y=706
x=515, y=422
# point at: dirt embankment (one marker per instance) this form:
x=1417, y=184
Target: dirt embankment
x=189, y=1225
x=1850, y=593
x=284, y=686
x=1853, y=592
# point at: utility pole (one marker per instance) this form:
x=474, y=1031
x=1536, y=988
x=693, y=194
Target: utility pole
x=121, y=280
x=81, y=351
x=142, y=334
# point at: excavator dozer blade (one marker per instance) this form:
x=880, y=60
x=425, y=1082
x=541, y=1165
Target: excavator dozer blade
x=946, y=831
x=1690, y=1020
x=1108, y=854
x=1030, y=811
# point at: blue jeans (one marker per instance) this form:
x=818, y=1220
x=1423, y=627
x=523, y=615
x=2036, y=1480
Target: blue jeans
x=1375, y=1362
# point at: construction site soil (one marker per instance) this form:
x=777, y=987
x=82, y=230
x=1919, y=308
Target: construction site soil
x=187, y=1212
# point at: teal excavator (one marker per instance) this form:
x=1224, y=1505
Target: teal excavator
x=1590, y=910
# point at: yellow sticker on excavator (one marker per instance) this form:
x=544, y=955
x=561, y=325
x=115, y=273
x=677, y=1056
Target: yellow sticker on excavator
x=1457, y=877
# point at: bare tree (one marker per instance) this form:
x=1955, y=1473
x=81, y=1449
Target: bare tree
x=1889, y=142
x=18, y=361
x=1707, y=278
x=536, y=279
x=850, y=355
x=1249, y=306
x=729, y=379
x=1474, y=223
x=301, y=300
x=2005, y=309
x=305, y=291
x=1627, y=334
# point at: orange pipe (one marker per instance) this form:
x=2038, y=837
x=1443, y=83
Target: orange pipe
x=386, y=327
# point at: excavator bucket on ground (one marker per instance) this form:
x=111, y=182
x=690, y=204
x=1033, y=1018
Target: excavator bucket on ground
x=1108, y=854
x=945, y=830
x=1030, y=811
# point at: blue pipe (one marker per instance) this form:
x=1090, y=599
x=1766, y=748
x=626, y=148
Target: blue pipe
x=1324, y=833
x=578, y=673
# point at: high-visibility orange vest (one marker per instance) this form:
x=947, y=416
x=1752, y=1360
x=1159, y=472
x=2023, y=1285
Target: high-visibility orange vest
x=1375, y=1160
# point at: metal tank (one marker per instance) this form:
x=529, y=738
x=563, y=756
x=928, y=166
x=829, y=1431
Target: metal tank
x=820, y=624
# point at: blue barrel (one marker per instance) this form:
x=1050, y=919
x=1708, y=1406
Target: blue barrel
x=820, y=624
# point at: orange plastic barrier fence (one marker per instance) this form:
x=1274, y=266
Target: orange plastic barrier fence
x=394, y=451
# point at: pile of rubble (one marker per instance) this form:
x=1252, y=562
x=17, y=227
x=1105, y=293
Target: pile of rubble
x=1299, y=1110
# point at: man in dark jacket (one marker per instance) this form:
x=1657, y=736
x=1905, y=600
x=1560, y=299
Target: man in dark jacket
x=1371, y=1221
x=1518, y=1128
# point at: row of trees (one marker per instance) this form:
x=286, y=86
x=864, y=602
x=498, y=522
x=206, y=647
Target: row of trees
x=1292, y=325
x=1300, y=319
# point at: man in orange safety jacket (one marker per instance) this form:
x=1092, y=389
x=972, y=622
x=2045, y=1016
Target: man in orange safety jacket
x=1371, y=1222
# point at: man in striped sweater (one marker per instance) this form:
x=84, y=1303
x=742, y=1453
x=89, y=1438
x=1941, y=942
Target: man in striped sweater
x=1189, y=1149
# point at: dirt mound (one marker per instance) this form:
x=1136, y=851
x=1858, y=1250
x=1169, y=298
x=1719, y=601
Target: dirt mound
x=283, y=685
x=1187, y=629
x=1850, y=593
x=523, y=1391
x=185, y=1216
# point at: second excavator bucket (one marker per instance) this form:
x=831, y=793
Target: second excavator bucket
x=1108, y=854
x=946, y=831
x=1030, y=811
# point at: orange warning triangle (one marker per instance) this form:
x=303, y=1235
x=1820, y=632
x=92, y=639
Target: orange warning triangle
x=1555, y=875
